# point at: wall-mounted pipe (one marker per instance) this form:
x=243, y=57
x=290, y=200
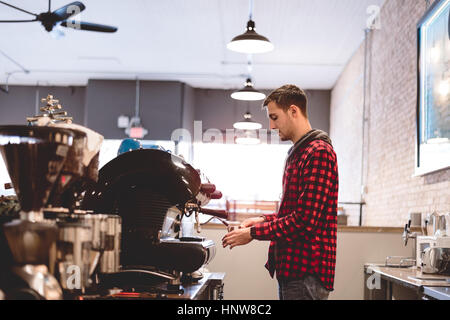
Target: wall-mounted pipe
x=364, y=121
x=138, y=98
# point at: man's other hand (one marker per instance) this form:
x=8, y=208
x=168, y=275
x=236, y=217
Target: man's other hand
x=238, y=237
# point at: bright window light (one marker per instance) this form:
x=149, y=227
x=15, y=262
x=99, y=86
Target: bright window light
x=243, y=172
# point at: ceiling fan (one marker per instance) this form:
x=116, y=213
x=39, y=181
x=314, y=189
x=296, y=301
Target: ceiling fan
x=60, y=16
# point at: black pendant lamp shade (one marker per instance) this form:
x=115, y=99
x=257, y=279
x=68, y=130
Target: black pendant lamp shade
x=248, y=93
x=247, y=123
x=250, y=42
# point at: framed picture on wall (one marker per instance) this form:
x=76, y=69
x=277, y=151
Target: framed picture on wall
x=433, y=103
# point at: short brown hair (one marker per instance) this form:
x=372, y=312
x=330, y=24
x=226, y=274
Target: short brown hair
x=288, y=95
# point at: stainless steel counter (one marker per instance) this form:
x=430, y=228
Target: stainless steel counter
x=438, y=293
x=403, y=283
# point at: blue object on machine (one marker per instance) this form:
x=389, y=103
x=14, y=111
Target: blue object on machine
x=128, y=145
x=155, y=146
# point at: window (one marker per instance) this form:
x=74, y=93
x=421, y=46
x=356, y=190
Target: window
x=4, y=178
x=243, y=172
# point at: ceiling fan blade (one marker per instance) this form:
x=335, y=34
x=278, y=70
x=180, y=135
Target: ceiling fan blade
x=69, y=10
x=87, y=26
x=14, y=7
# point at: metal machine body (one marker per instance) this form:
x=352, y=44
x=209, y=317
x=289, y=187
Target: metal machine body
x=34, y=157
x=433, y=254
x=50, y=162
x=153, y=191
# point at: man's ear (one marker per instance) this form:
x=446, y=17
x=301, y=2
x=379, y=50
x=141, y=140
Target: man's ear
x=294, y=110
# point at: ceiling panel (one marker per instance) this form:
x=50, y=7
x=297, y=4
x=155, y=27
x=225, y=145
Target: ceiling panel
x=186, y=40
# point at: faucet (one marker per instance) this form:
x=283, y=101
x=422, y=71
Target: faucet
x=407, y=234
x=403, y=261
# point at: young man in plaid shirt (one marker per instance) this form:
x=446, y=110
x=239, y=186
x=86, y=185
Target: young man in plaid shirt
x=302, y=250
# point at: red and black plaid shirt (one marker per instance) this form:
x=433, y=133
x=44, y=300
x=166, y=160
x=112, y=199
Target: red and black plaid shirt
x=303, y=233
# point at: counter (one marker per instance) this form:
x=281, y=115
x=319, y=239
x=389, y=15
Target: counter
x=210, y=287
x=350, y=229
x=389, y=283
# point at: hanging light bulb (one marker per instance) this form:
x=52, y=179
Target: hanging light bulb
x=247, y=123
x=250, y=41
x=248, y=93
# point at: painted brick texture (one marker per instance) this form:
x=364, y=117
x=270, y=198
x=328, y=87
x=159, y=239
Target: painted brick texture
x=390, y=130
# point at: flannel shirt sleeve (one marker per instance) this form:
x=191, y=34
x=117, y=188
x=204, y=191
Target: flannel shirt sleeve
x=270, y=217
x=316, y=182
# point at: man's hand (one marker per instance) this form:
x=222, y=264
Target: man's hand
x=238, y=237
x=251, y=222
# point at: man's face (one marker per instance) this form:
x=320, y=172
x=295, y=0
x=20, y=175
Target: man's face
x=280, y=120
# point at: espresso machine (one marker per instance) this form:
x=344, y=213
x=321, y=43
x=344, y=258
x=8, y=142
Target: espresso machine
x=158, y=195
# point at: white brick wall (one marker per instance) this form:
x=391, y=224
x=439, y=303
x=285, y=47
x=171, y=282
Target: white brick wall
x=390, y=131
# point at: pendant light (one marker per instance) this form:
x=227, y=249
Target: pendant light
x=250, y=128
x=250, y=42
x=248, y=93
x=247, y=123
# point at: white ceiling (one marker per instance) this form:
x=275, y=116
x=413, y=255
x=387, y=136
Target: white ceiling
x=186, y=40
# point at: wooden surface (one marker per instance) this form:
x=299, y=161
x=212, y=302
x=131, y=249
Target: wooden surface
x=374, y=229
x=340, y=228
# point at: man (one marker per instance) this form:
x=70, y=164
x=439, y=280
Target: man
x=302, y=251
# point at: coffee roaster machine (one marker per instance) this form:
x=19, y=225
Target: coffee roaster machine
x=122, y=232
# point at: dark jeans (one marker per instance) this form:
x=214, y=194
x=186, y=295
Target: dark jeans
x=307, y=288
